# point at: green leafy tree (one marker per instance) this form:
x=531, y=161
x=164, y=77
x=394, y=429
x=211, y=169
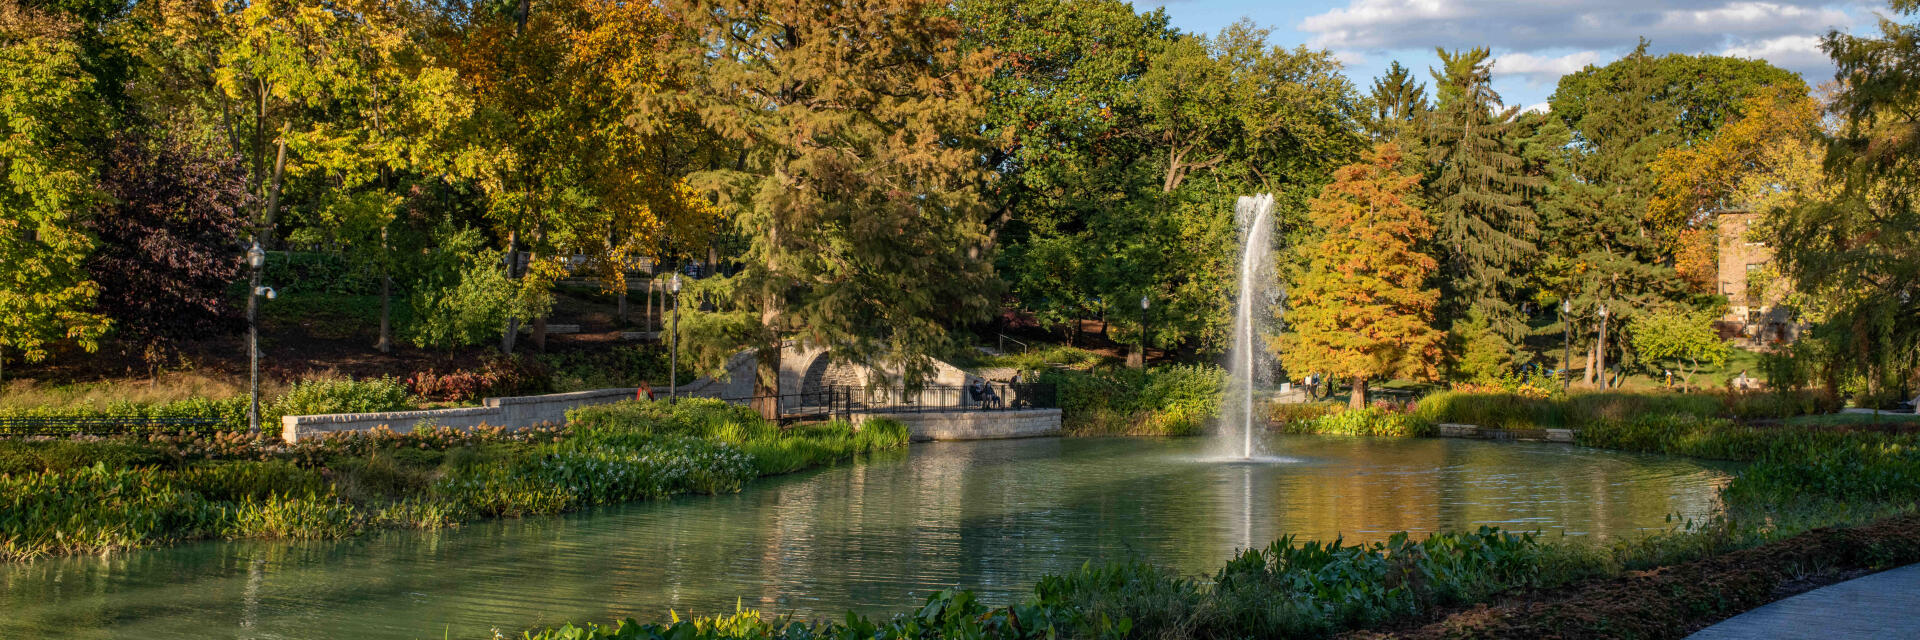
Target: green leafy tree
x=1851, y=257
x=1478, y=184
x=1064, y=121
x=859, y=193
x=1362, y=310
x=47, y=105
x=1677, y=338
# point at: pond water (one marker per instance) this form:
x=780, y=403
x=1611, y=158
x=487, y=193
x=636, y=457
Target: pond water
x=875, y=537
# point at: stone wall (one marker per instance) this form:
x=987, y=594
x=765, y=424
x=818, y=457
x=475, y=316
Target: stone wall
x=975, y=425
x=517, y=412
x=294, y=428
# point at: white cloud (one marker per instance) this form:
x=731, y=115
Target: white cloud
x=1532, y=35
x=1791, y=52
x=1543, y=69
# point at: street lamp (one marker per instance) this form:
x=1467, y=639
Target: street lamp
x=1566, y=362
x=256, y=259
x=673, y=354
x=1144, y=303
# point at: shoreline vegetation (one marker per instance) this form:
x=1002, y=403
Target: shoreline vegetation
x=99, y=495
x=1813, y=505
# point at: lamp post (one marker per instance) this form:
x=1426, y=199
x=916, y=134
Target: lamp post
x=1566, y=362
x=256, y=259
x=1144, y=303
x=673, y=353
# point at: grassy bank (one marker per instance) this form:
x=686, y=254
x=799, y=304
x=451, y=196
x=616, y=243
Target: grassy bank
x=93, y=495
x=1790, y=515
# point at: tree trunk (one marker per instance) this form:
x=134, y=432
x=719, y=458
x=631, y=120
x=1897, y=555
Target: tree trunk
x=620, y=313
x=385, y=345
x=540, y=323
x=1587, y=376
x=513, y=262
x=1601, y=348
x=1359, y=398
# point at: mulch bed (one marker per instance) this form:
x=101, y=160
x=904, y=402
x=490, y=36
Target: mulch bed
x=1677, y=600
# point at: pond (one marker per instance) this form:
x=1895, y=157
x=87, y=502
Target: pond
x=876, y=537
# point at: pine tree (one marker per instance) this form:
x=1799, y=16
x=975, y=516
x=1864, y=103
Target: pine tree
x=1479, y=187
x=1399, y=104
x=1363, y=310
x=857, y=182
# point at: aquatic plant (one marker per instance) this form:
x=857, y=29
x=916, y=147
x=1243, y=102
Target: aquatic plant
x=89, y=495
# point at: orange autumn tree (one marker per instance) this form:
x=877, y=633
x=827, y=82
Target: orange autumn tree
x=1363, y=310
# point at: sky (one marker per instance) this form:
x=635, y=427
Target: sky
x=1534, y=42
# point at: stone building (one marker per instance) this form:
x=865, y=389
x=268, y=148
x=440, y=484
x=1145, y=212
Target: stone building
x=1756, y=313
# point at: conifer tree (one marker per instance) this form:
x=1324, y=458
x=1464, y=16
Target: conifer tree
x=1478, y=186
x=1363, y=310
x=857, y=182
x=1399, y=103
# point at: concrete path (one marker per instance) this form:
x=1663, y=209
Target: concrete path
x=1883, y=605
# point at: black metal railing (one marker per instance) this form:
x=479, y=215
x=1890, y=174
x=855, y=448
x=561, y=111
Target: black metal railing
x=94, y=426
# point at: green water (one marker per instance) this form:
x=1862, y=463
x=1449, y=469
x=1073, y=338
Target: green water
x=876, y=537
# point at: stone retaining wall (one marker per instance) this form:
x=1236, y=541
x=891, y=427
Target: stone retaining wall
x=975, y=425
x=1451, y=430
x=517, y=412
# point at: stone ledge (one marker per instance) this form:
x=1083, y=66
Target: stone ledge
x=975, y=425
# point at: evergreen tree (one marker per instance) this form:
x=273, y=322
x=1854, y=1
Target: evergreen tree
x=857, y=182
x=1399, y=104
x=1479, y=187
x=1363, y=310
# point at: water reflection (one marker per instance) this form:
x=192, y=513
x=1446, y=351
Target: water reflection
x=992, y=516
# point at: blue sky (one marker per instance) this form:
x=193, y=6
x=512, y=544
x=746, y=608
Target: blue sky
x=1535, y=42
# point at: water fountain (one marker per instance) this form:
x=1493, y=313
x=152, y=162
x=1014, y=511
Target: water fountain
x=1248, y=357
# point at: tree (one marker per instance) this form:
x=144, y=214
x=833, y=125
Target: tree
x=568, y=140
x=1362, y=309
x=1399, y=104
x=1621, y=116
x=1765, y=158
x=1477, y=184
x=47, y=107
x=1851, y=256
x=166, y=255
x=859, y=193
x=1065, y=120
x=1690, y=96
x=1678, y=338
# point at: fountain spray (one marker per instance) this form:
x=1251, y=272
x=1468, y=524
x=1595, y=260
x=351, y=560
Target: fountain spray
x=1254, y=213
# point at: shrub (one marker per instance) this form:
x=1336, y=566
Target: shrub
x=1171, y=400
x=313, y=397
x=1371, y=421
x=500, y=376
x=1580, y=410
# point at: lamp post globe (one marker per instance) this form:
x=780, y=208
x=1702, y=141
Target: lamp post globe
x=256, y=257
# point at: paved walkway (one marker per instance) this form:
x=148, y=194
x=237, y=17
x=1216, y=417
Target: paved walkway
x=1882, y=605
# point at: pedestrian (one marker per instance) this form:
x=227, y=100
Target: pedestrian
x=645, y=392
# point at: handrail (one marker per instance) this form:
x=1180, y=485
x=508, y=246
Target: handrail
x=1003, y=344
